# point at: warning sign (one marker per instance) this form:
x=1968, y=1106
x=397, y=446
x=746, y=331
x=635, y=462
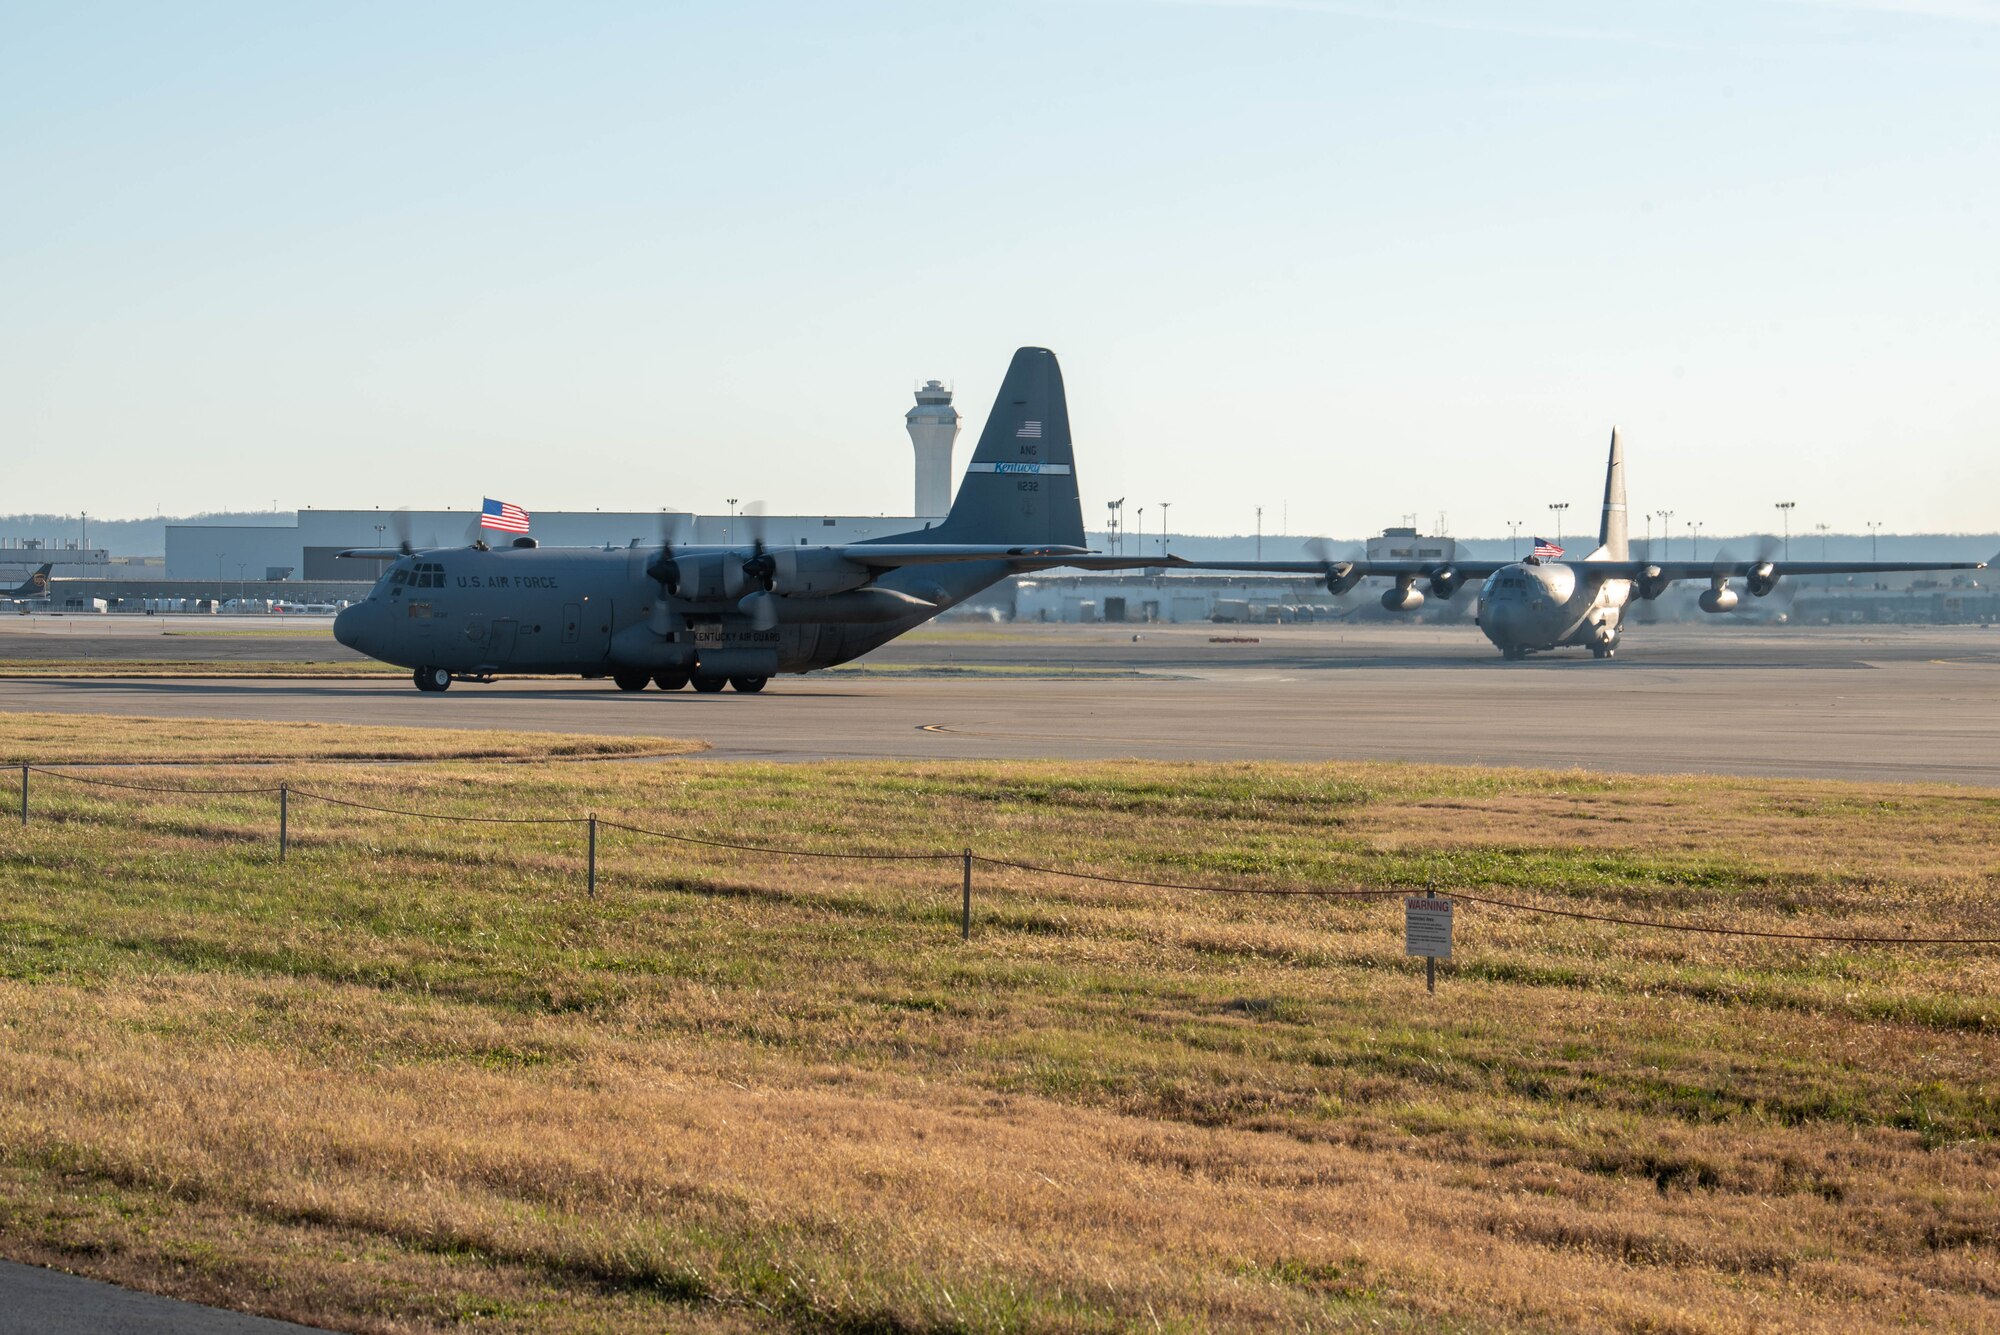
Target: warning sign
x=1427, y=927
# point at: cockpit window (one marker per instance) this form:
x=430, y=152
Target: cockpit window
x=422, y=575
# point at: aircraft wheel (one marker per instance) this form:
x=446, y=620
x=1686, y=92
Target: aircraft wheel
x=1513, y=653
x=433, y=679
x=670, y=681
x=631, y=681
x=748, y=685
x=709, y=685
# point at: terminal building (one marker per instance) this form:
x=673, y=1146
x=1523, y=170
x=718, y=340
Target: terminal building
x=307, y=549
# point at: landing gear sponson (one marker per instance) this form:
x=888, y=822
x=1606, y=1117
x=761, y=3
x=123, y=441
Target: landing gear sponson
x=706, y=683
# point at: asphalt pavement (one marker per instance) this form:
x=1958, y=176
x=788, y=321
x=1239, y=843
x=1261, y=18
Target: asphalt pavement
x=1887, y=703
x=34, y=1301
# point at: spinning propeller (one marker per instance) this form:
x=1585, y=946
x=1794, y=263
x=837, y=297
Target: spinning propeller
x=760, y=571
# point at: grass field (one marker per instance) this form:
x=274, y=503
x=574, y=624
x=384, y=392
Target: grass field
x=92, y=668
x=114, y=739
x=415, y=1078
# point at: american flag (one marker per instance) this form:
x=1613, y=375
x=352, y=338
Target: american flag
x=503, y=515
x=1547, y=550
x=1029, y=431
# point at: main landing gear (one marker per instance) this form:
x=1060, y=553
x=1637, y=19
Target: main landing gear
x=433, y=679
x=708, y=685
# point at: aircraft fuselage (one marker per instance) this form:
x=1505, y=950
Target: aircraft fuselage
x=1536, y=605
x=589, y=611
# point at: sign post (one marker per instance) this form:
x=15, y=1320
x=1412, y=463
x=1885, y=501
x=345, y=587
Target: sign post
x=1427, y=932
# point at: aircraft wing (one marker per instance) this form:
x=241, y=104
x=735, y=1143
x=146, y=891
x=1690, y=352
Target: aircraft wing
x=889, y=556
x=1673, y=570
x=1360, y=567
x=886, y=556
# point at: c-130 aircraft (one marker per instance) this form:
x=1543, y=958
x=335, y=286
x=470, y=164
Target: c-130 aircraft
x=1542, y=603
x=736, y=616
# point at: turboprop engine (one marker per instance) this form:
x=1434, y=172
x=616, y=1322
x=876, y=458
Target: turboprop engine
x=815, y=585
x=814, y=573
x=1341, y=576
x=1720, y=598
x=1403, y=598
x=1445, y=581
x=1763, y=578
x=1652, y=582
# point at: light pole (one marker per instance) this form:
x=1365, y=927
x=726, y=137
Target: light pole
x=1874, y=528
x=1514, y=539
x=1666, y=533
x=1785, y=509
x=1163, y=528
x=1260, y=533
x=1558, y=507
x=1649, y=535
x=1142, y=531
x=379, y=567
x=1694, y=545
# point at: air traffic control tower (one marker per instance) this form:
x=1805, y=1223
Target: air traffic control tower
x=933, y=427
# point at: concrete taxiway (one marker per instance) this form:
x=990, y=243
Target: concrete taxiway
x=1882, y=703
x=34, y=1301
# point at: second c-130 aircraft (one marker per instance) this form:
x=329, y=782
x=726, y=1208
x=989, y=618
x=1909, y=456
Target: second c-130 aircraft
x=1542, y=603
x=736, y=616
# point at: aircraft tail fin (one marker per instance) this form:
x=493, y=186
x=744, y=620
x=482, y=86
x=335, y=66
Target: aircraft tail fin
x=35, y=585
x=1020, y=486
x=1613, y=538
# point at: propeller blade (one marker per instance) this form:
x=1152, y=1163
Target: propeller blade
x=663, y=567
x=1329, y=552
x=760, y=569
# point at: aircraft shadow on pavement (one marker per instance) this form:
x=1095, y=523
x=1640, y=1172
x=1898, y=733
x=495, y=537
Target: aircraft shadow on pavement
x=274, y=688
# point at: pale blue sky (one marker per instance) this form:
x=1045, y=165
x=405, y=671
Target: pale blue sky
x=1349, y=260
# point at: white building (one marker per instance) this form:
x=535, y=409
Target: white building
x=308, y=547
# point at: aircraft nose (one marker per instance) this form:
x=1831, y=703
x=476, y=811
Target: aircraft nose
x=351, y=626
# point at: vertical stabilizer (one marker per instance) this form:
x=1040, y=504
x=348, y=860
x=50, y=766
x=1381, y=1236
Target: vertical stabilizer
x=1613, y=540
x=35, y=585
x=1020, y=486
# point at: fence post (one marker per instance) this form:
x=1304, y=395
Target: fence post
x=965, y=911
x=284, y=820
x=593, y=855
x=24, y=796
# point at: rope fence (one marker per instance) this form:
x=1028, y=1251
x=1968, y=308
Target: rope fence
x=285, y=793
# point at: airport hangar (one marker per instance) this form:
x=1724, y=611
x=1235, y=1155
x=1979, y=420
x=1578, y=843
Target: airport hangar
x=307, y=549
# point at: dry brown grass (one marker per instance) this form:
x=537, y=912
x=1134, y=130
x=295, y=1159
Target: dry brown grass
x=416, y=1079
x=74, y=669
x=112, y=739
